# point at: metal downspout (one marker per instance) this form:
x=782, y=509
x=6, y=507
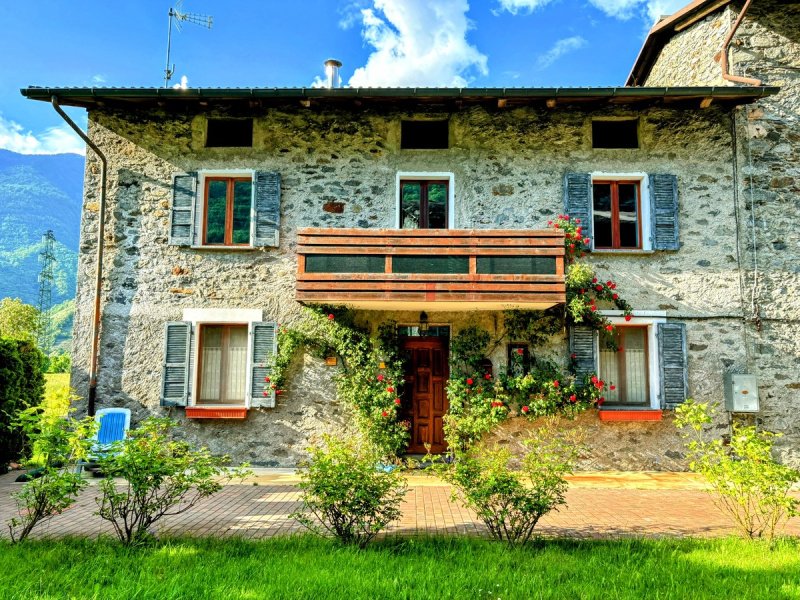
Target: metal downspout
x=722, y=56
x=98, y=284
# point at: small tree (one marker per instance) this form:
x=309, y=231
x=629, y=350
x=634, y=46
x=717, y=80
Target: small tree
x=18, y=320
x=345, y=494
x=57, y=443
x=162, y=477
x=746, y=482
x=511, y=502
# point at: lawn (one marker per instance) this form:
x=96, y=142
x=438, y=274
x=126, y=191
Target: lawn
x=452, y=567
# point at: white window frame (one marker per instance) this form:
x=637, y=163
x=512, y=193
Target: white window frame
x=644, y=205
x=427, y=176
x=220, y=316
x=641, y=318
x=200, y=206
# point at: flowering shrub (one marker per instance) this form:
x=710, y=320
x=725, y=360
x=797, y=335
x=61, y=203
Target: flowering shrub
x=344, y=494
x=477, y=404
x=746, y=482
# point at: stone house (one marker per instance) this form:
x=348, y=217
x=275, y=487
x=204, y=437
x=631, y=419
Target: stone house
x=226, y=208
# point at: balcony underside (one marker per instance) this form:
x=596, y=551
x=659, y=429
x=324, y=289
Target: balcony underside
x=432, y=270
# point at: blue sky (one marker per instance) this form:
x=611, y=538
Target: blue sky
x=283, y=43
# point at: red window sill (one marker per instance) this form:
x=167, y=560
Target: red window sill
x=629, y=415
x=200, y=412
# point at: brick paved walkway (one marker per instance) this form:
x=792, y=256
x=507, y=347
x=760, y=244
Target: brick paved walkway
x=599, y=505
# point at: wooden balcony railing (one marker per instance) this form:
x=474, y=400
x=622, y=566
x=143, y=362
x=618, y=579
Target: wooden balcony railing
x=431, y=269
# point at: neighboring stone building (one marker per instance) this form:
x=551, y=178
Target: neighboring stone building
x=765, y=49
x=208, y=189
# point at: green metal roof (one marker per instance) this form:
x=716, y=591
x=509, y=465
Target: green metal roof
x=164, y=97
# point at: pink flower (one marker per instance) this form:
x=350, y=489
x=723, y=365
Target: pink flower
x=578, y=221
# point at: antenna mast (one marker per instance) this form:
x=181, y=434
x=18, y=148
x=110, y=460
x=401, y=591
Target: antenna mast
x=48, y=259
x=178, y=16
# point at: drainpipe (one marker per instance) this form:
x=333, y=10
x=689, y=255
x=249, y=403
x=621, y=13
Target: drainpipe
x=98, y=283
x=722, y=56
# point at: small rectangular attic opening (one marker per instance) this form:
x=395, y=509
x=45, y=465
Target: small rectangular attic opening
x=229, y=133
x=618, y=133
x=425, y=135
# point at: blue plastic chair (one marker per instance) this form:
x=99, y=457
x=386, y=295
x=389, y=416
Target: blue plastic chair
x=113, y=426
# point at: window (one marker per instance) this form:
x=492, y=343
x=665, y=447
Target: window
x=229, y=133
x=615, y=134
x=628, y=368
x=424, y=135
x=228, y=202
x=616, y=210
x=222, y=369
x=424, y=204
x=519, y=359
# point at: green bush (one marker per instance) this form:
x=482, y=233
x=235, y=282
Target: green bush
x=162, y=477
x=59, y=363
x=57, y=444
x=746, y=482
x=345, y=493
x=21, y=387
x=511, y=502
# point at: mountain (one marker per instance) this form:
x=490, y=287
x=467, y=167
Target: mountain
x=39, y=192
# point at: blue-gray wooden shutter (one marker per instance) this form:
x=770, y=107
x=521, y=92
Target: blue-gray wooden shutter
x=673, y=364
x=175, y=377
x=664, y=212
x=184, y=197
x=582, y=345
x=578, y=199
x=263, y=346
x=267, y=209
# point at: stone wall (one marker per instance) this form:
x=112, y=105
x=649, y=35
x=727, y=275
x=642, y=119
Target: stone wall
x=508, y=170
x=766, y=47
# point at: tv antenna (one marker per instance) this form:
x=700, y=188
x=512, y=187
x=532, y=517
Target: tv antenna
x=176, y=14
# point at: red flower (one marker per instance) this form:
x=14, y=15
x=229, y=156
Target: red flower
x=265, y=393
x=520, y=351
x=573, y=356
x=592, y=308
x=470, y=381
x=555, y=383
x=380, y=377
x=594, y=280
x=330, y=317
x=550, y=223
x=620, y=349
x=609, y=328
x=581, y=291
x=600, y=401
x=586, y=241
x=266, y=379
x=598, y=287
x=572, y=246
x=525, y=409
x=615, y=296
x=573, y=398
x=613, y=286
x=390, y=389
x=487, y=376
x=384, y=414
x=397, y=401
x=578, y=221
x=278, y=392
x=594, y=378
x=609, y=283
x=613, y=387
x=628, y=317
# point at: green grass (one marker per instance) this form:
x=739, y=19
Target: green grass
x=453, y=567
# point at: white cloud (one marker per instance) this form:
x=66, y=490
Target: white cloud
x=648, y=10
x=559, y=48
x=53, y=140
x=418, y=43
x=98, y=79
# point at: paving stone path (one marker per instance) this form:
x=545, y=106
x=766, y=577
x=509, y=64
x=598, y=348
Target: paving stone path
x=599, y=505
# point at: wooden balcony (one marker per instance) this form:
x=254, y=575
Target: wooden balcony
x=431, y=269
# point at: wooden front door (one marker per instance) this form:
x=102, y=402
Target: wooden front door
x=424, y=395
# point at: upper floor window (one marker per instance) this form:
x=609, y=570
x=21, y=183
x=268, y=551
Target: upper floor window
x=424, y=204
x=615, y=134
x=616, y=213
x=229, y=133
x=228, y=208
x=424, y=135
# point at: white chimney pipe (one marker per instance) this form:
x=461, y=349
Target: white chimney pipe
x=332, y=72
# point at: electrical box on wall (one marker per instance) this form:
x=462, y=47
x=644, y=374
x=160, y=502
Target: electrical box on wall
x=741, y=392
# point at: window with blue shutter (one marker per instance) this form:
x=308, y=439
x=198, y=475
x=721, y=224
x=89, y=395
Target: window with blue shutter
x=664, y=212
x=673, y=364
x=582, y=350
x=263, y=346
x=175, y=374
x=267, y=209
x=184, y=198
x=578, y=199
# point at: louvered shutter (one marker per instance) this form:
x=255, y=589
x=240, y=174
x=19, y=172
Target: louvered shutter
x=175, y=378
x=578, y=199
x=184, y=195
x=582, y=345
x=267, y=209
x=263, y=345
x=673, y=364
x=664, y=212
